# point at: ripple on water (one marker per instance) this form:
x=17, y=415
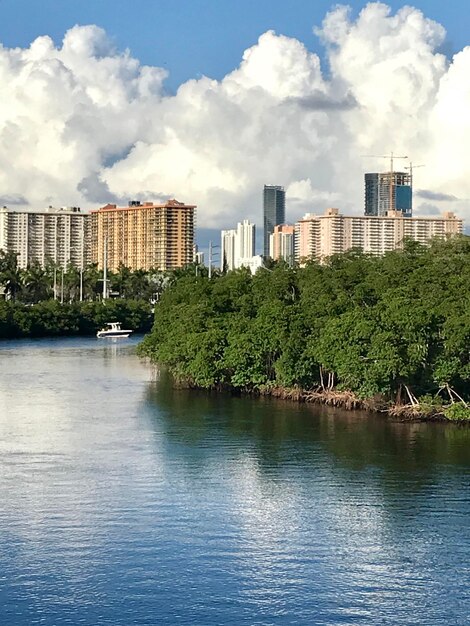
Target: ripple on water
x=125, y=502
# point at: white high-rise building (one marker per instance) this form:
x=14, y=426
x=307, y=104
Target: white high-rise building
x=50, y=235
x=245, y=241
x=237, y=246
x=228, y=246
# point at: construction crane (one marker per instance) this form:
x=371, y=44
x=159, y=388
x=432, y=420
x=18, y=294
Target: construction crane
x=411, y=168
x=391, y=156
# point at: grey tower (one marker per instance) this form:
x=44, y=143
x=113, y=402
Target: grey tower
x=274, y=211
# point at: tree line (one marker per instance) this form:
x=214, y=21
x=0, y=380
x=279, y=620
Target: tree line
x=50, y=318
x=392, y=330
x=52, y=301
x=53, y=282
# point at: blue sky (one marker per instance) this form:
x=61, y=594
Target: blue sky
x=89, y=125
x=194, y=37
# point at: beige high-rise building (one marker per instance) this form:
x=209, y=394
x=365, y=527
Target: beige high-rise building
x=49, y=235
x=143, y=236
x=281, y=243
x=321, y=236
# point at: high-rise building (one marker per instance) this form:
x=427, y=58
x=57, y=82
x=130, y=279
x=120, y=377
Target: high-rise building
x=245, y=244
x=274, y=211
x=320, y=236
x=281, y=243
x=236, y=245
x=45, y=236
x=228, y=245
x=388, y=191
x=143, y=235
x=198, y=257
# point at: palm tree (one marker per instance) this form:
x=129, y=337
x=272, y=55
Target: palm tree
x=139, y=287
x=71, y=283
x=37, y=285
x=92, y=282
x=120, y=280
x=11, y=276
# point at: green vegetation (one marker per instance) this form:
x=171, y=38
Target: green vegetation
x=40, y=302
x=51, y=318
x=36, y=284
x=390, y=330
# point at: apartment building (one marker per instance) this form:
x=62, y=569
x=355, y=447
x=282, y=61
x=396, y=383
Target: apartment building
x=281, y=243
x=237, y=245
x=245, y=242
x=143, y=235
x=228, y=245
x=57, y=235
x=321, y=236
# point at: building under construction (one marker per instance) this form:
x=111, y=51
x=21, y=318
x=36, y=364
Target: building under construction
x=388, y=191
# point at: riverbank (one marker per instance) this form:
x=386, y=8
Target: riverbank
x=433, y=410
x=50, y=318
x=394, y=327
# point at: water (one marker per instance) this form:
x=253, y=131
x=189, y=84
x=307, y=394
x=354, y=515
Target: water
x=124, y=501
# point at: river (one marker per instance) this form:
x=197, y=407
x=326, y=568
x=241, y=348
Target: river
x=124, y=501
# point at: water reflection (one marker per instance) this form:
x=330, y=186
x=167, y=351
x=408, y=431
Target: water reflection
x=357, y=440
x=127, y=501
x=353, y=500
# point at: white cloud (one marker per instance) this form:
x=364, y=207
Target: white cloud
x=84, y=123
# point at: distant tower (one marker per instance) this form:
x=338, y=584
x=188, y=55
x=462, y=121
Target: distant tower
x=237, y=245
x=274, y=211
x=379, y=199
x=282, y=243
x=245, y=243
x=228, y=239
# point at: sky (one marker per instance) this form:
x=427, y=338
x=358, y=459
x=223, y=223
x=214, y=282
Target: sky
x=207, y=100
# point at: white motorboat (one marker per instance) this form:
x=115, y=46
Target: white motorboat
x=113, y=330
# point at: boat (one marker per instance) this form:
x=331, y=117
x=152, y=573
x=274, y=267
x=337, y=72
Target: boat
x=113, y=330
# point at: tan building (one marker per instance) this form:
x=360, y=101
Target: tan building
x=49, y=235
x=143, y=236
x=321, y=236
x=281, y=243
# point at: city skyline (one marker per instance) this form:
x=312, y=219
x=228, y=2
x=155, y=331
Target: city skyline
x=103, y=124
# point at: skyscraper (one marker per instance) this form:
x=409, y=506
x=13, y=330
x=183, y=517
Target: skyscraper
x=228, y=241
x=388, y=191
x=237, y=245
x=245, y=240
x=274, y=211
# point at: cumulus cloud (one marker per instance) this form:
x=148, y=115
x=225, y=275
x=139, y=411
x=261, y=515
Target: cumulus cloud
x=427, y=208
x=304, y=197
x=96, y=190
x=13, y=199
x=321, y=102
x=437, y=196
x=84, y=123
